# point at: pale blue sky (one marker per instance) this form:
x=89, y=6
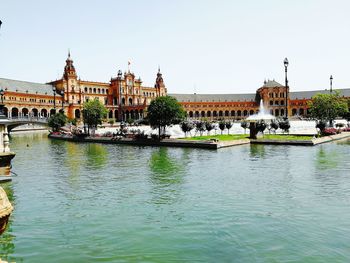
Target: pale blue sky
x=203, y=46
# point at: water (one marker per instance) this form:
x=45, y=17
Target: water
x=107, y=203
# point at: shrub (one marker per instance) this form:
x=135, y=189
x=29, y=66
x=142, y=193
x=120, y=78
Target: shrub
x=329, y=131
x=321, y=125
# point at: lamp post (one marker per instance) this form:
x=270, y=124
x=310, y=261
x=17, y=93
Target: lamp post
x=2, y=114
x=286, y=63
x=331, y=83
x=54, y=98
x=62, y=101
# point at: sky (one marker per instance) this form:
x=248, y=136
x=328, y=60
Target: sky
x=201, y=46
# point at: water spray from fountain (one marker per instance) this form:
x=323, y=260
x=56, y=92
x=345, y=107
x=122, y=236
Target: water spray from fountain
x=261, y=115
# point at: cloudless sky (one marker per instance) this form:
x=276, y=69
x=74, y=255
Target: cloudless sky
x=216, y=46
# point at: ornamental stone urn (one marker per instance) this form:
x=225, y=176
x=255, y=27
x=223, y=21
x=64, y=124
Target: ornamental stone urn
x=5, y=210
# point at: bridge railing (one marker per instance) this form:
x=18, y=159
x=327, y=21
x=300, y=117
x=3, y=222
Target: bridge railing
x=30, y=119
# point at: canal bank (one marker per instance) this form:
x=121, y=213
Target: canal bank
x=203, y=144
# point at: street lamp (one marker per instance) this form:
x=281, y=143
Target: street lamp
x=331, y=82
x=54, y=98
x=286, y=63
x=62, y=101
x=2, y=115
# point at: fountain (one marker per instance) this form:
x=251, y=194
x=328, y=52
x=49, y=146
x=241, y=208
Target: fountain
x=262, y=115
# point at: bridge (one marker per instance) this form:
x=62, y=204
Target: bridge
x=12, y=123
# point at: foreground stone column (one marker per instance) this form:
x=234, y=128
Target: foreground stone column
x=5, y=210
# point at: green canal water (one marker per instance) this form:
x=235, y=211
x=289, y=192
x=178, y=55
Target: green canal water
x=107, y=203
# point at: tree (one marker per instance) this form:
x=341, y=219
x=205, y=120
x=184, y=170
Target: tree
x=228, y=125
x=273, y=126
x=326, y=107
x=222, y=126
x=57, y=121
x=93, y=113
x=244, y=125
x=164, y=111
x=186, y=126
x=209, y=126
x=261, y=126
x=200, y=126
x=284, y=125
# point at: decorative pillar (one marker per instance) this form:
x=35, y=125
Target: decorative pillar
x=6, y=140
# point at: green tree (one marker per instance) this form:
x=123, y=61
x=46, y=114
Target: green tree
x=228, y=125
x=200, y=126
x=164, y=111
x=244, y=125
x=186, y=126
x=326, y=107
x=93, y=113
x=209, y=126
x=222, y=126
x=57, y=121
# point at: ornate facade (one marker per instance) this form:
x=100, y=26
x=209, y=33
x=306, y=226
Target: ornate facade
x=125, y=97
x=239, y=106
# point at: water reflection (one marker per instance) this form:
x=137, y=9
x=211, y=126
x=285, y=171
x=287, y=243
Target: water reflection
x=326, y=160
x=257, y=151
x=97, y=155
x=167, y=176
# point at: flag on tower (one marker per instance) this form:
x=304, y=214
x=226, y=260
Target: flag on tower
x=129, y=66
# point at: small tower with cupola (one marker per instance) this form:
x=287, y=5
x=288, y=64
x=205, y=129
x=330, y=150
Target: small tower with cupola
x=159, y=86
x=71, y=88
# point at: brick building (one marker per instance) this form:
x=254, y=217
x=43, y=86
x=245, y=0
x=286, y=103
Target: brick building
x=125, y=97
